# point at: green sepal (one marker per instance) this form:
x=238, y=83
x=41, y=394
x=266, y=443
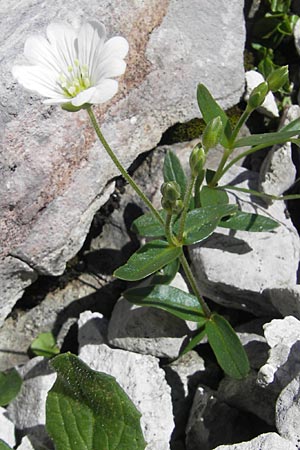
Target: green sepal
x=173, y=300
x=147, y=260
x=71, y=108
x=266, y=139
x=195, y=340
x=227, y=347
x=86, y=409
x=244, y=221
x=10, y=385
x=44, y=345
x=4, y=446
x=211, y=196
x=173, y=171
x=210, y=109
x=167, y=273
x=201, y=223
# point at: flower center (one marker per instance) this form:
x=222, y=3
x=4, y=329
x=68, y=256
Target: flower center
x=75, y=80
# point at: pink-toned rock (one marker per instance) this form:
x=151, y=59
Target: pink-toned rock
x=54, y=173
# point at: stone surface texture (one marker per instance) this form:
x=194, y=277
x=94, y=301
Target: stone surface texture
x=150, y=331
x=278, y=172
x=139, y=375
x=234, y=268
x=7, y=429
x=267, y=441
x=269, y=106
x=283, y=337
x=286, y=300
x=54, y=173
x=288, y=412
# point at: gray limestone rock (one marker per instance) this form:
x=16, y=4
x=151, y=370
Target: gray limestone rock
x=139, y=375
x=7, y=429
x=283, y=337
x=54, y=172
x=267, y=441
x=25, y=444
x=288, y=412
x=234, y=268
x=147, y=330
x=278, y=172
x=27, y=410
x=286, y=300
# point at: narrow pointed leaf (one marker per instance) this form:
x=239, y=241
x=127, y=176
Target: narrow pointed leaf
x=167, y=273
x=210, y=109
x=195, y=340
x=200, y=223
x=292, y=126
x=210, y=197
x=173, y=171
x=147, y=260
x=266, y=139
x=10, y=385
x=227, y=347
x=147, y=225
x=249, y=222
x=88, y=410
x=177, y=302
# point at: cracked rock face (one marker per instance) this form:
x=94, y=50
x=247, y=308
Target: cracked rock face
x=54, y=174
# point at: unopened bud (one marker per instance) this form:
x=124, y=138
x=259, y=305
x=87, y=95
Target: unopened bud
x=167, y=205
x=177, y=206
x=278, y=78
x=258, y=95
x=212, y=133
x=197, y=160
x=170, y=191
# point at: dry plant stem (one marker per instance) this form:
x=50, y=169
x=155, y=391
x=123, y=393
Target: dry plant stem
x=121, y=168
x=193, y=284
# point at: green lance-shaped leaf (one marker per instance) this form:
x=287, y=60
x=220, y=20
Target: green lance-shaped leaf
x=10, y=385
x=210, y=109
x=173, y=171
x=266, y=139
x=211, y=196
x=4, y=446
x=294, y=125
x=200, y=223
x=248, y=222
x=227, y=347
x=88, y=410
x=147, y=260
x=167, y=273
x=195, y=340
x=148, y=225
x=177, y=302
x=44, y=345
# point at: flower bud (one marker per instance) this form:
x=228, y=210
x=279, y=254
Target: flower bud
x=177, y=206
x=170, y=191
x=278, y=78
x=197, y=160
x=167, y=205
x=258, y=95
x=212, y=133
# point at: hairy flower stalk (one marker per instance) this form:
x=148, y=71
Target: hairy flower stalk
x=73, y=67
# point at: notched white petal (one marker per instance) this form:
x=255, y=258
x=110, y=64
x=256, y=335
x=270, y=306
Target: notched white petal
x=116, y=46
x=37, y=79
x=104, y=91
x=111, y=67
x=83, y=97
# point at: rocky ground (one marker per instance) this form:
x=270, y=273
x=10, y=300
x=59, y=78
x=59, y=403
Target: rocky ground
x=66, y=226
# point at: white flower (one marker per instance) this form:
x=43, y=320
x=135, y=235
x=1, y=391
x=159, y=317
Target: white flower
x=73, y=65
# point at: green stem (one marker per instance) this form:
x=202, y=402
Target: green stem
x=219, y=170
x=197, y=187
x=193, y=284
x=243, y=118
x=186, y=204
x=169, y=232
x=121, y=168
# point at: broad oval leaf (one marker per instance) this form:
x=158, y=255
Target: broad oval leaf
x=210, y=109
x=200, y=223
x=177, y=302
x=173, y=171
x=147, y=225
x=147, y=260
x=227, y=347
x=44, y=345
x=167, y=273
x=248, y=222
x=211, y=196
x=10, y=385
x=266, y=139
x=88, y=410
